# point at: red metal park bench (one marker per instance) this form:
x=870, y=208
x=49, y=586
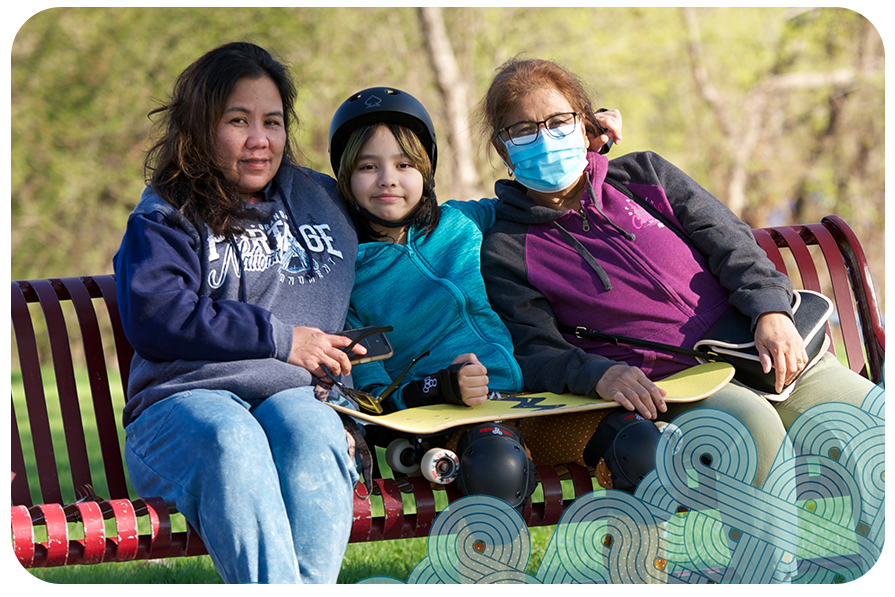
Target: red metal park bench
x=57, y=518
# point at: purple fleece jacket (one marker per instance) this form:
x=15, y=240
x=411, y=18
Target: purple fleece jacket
x=662, y=289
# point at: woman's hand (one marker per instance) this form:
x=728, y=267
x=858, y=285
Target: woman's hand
x=780, y=346
x=312, y=348
x=611, y=120
x=630, y=387
x=472, y=379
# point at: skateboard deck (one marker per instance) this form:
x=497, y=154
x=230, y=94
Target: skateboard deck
x=689, y=385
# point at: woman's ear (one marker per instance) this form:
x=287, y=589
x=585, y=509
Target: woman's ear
x=501, y=150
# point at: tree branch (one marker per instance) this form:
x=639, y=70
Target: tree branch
x=700, y=74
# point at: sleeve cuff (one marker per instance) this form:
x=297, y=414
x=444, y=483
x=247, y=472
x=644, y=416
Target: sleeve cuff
x=282, y=337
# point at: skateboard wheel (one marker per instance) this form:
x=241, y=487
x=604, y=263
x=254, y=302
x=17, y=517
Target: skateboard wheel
x=440, y=466
x=399, y=456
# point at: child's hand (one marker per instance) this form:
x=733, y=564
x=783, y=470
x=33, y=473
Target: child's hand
x=472, y=379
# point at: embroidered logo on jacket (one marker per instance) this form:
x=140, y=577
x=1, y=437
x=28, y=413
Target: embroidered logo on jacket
x=430, y=383
x=640, y=218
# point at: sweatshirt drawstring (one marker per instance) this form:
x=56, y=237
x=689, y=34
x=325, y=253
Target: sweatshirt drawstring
x=585, y=254
x=240, y=272
x=582, y=251
x=593, y=199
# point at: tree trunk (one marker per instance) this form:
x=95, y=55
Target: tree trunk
x=463, y=176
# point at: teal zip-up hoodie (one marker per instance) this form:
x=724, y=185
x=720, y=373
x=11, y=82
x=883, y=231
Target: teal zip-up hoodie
x=431, y=292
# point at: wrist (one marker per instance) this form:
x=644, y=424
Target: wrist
x=439, y=388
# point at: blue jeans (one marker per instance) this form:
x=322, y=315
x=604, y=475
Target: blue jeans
x=268, y=485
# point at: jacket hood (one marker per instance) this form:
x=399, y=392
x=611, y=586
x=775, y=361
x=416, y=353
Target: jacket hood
x=516, y=206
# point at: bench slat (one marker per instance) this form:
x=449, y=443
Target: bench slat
x=19, y=483
x=104, y=286
x=63, y=367
x=843, y=296
x=94, y=525
x=425, y=506
x=763, y=237
x=789, y=237
x=104, y=415
x=865, y=294
x=23, y=536
x=38, y=419
x=848, y=319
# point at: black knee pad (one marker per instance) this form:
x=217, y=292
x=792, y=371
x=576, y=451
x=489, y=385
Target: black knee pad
x=493, y=462
x=627, y=442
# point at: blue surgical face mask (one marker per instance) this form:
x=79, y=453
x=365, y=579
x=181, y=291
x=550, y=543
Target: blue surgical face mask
x=549, y=164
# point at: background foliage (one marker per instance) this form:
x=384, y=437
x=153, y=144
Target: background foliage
x=788, y=113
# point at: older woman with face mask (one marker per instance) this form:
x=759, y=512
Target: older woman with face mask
x=574, y=246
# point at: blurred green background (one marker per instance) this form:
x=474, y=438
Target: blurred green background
x=779, y=112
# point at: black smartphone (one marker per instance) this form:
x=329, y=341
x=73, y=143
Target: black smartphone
x=602, y=131
x=374, y=340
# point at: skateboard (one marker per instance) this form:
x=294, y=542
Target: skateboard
x=441, y=466
x=690, y=385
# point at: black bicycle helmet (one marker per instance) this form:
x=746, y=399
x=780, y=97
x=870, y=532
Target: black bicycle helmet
x=379, y=104
x=493, y=462
x=627, y=442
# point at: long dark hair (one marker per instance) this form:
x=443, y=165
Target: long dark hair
x=182, y=165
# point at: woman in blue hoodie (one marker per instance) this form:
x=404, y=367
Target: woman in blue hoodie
x=233, y=276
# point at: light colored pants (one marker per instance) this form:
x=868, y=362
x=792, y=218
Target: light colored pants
x=268, y=486
x=827, y=381
x=763, y=554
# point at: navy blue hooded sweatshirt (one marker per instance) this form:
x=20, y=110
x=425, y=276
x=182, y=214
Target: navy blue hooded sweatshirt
x=205, y=312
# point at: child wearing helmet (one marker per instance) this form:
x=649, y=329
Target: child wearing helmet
x=418, y=265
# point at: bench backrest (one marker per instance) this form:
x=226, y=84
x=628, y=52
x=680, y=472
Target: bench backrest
x=39, y=319
x=104, y=352
x=838, y=268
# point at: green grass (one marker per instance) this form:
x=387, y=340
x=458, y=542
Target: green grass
x=195, y=570
x=395, y=559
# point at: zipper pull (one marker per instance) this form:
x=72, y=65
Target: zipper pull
x=585, y=224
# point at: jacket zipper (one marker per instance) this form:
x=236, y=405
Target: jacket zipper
x=585, y=223
x=464, y=301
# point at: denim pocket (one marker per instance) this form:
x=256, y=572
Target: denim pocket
x=143, y=431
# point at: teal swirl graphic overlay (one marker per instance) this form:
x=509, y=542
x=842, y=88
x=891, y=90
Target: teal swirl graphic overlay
x=819, y=518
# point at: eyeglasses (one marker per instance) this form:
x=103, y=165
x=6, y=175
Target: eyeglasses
x=367, y=401
x=526, y=132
